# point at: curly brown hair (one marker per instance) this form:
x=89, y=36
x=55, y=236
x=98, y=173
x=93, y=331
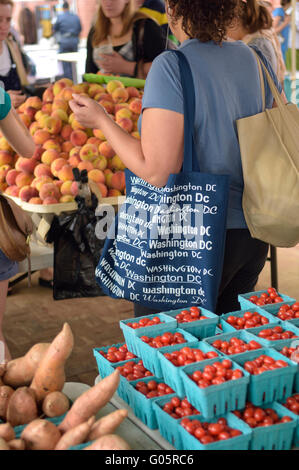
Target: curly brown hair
x=206, y=20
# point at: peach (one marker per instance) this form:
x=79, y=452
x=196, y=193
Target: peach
x=58, y=183
x=47, y=108
x=125, y=123
x=61, y=84
x=74, y=161
x=25, y=119
x=42, y=170
x=123, y=113
x=27, y=192
x=96, y=175
x=78, y=138
x=26, y=165
x=41, y=136
x=30, y=112
x=109, y=164
x=113, y=85
x=22, y=108
x=114, y=193
x=95, y=89
x=38, y=153
x=85, y=166
x=133, y=92
x=105, y=97
x=5, y=158
x=99, y=134
x=69, y=188
x=103, y=188
x=67, y=146
x=94, y=141
x=3, y=186
x=120, y=95
x=117, y=164
x=66, y=198
x=52, y=145
x=75, y=152
x=71, y=118
x=50, y=200
x=118, y=180
x=24, y=179
x=4, y=145
x=108, y=177
x=108, y=105
x=66, y=173
x=67, y=94
x=76, y=125
x=49, y=190
x=56, y=165
x=59, y=103
x=49, y=156
x=11, y=177
x=119, y=106
x=4, y=169
x=12, y=191
x=89, y=152
x=66, y=131
x=34, y=126
x=34, y=102
x=53, y=125
x=35, y=200
x=80, y=88
x=136, y=106
x=48, y=95
x=106, y=150
x=100, y=163
x=60, y=114
x=40, y=181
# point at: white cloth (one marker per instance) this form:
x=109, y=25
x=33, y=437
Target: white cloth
x=5, y=61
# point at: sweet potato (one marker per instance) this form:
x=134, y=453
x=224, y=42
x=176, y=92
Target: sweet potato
x=7, y=432
x=5, y=394
x=20, y=371
x=55, y=404
x=22, y=407
x=1, y=382
x=41, y=434
x=107, y=425
x=3, y=444
x=90, y=402
x=109, y=442
x=76, y=435
x=16, y=444
x=50, y=375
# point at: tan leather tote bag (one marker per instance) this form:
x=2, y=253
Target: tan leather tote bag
x=15, y=229
x=269, y=145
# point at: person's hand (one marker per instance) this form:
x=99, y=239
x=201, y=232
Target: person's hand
x=113, y=63
x=17, y=98
x=87, y=111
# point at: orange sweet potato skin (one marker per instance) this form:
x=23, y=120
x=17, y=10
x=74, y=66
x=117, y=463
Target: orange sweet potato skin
x=50, y=374
x=91, y=402
x=19, y=372
x=22, y=407
x=5, y=394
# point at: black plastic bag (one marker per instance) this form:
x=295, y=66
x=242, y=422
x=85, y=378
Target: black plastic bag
x=77, y=251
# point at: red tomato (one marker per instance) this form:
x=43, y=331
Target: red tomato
x=253, y=298
x=206, y=440
x=259, y=415
x=199, y=432
x=152, y=385
x=175, y=401
x=286, y=419
x=215, y=428
x=223, y=436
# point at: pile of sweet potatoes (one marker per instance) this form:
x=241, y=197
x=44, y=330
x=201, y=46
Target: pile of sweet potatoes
x=31, y=389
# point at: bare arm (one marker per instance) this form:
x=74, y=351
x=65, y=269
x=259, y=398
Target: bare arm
x=160, y=150
x=282, y=25
x=17, y=134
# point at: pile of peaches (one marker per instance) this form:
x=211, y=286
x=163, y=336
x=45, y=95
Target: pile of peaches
x=63, y=144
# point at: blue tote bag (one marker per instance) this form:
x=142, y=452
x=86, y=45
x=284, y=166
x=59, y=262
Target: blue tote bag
x=165, y=248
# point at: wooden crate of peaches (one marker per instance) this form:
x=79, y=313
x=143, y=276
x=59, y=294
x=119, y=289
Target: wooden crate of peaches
x=31, y=390
x=63, y=144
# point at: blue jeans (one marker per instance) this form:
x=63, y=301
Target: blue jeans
x=67, y=66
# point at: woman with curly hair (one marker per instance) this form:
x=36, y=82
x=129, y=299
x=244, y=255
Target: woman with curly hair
x=227, y=88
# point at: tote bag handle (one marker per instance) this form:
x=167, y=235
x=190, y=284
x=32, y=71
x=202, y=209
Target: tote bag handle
x=190, y=162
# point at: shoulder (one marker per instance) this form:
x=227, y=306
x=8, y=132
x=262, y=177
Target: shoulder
x=168, y=62
x=278, y=12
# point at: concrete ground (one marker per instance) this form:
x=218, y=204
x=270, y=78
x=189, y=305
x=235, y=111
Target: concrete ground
x=33, y=316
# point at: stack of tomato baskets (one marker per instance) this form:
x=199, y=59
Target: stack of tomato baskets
x=214, y=383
